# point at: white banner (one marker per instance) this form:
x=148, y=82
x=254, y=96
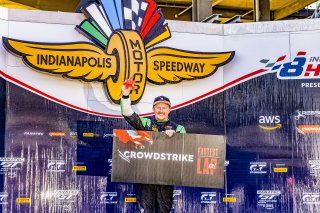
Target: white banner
x=288, y=49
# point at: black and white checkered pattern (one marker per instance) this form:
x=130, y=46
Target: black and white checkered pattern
x=134, y=12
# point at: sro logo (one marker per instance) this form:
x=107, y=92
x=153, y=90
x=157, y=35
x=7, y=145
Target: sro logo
x=176, y=193
x=9, y=164
x=208, y=197
x=258, y=167
x=65, y=195
x=311, y=198
x=108, y=197
x=56, y=165
x=314, y=164
x=3, y=198
x=266, y=197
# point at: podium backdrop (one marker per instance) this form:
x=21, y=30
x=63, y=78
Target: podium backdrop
x=57, y=150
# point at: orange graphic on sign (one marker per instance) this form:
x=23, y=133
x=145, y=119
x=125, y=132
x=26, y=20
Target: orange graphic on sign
x=308, y=128
x=207, y=161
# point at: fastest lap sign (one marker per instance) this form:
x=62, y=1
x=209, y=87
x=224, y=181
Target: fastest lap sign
x=155, y=158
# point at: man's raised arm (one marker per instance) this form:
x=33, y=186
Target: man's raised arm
x=131, y=117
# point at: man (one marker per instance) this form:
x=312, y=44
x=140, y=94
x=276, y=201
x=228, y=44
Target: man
x=152, y=197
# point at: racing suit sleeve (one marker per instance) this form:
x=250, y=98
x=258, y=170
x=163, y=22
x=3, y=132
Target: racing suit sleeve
x=180, y=129
x=131, y=117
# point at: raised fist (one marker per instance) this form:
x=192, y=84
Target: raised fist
x=127, y=86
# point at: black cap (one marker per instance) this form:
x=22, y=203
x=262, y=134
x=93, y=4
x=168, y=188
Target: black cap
x=162, y=99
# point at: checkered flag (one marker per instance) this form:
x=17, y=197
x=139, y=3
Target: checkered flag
x=134, y=12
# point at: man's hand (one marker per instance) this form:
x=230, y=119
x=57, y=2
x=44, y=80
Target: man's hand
x=125, y=91
x=127, y=86
x=170, y=132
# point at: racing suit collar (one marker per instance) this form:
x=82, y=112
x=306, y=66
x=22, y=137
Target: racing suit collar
x=162, y=121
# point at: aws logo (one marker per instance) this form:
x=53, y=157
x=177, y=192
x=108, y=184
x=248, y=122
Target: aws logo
x=269, y=122
x=122, y=34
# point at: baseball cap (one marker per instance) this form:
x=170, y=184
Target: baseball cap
x=162, y=99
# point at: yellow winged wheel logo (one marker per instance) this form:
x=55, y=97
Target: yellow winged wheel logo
x=125, y=57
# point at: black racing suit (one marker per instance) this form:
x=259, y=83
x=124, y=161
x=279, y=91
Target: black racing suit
x=152, y=197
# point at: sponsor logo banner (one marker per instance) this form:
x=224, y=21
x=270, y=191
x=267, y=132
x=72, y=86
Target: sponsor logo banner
x=23, y=200
x=280, y=168
x=190, y=159
x=268, y=198
x=110, y=165
x=314, y=166
x=3, y=198
x=57, y=134
x=10, y=166
x=79, y=168
x=208, y=197
x=258, y=168
x=27, y=133
x=88, y=134
x=269, y=122
x=65, y=196
x=305, y=114
x=229, y=199
x=73, y=134
x=305, y=129
x=108, y=198
x=301, y=67
x=176, y=194
x=56, y=165
x=125, y=52
x=311, y=198
x=130, y=200
x=117, y=53
x=88, y=62
x=130, y=197
x=65, y=199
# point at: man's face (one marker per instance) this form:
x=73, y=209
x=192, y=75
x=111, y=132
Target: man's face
x=161, y=111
